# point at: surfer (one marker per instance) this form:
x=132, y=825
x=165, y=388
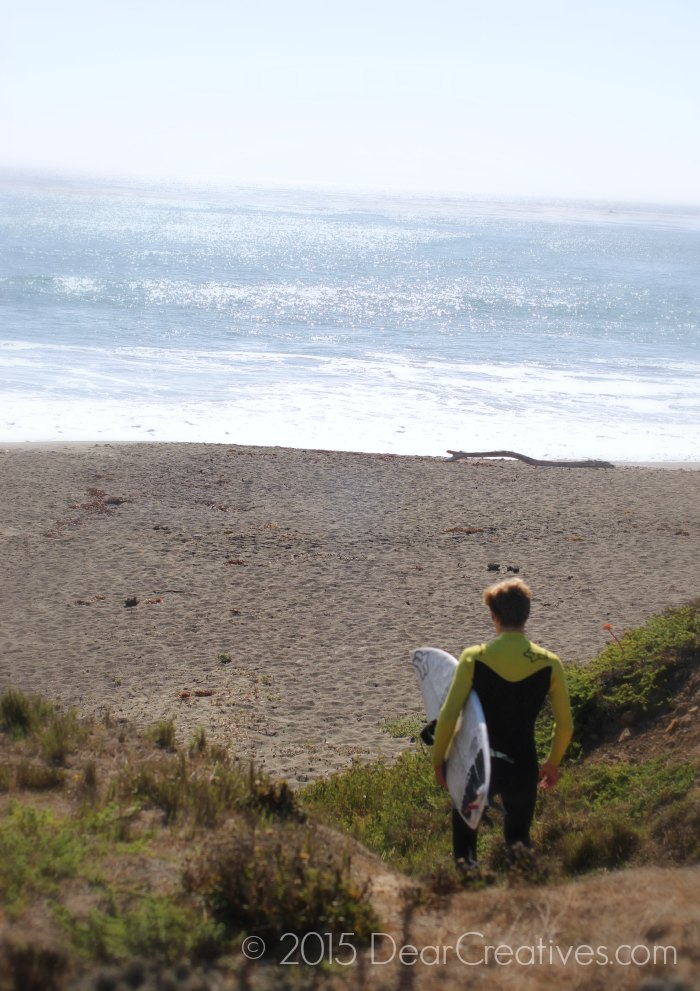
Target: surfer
x=513, y=677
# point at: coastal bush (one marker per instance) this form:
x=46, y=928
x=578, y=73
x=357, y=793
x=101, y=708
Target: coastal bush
x=159, y=784
x=163, y=735
x=109, y=827
x=154, y=926
x=276, y=876
x=400, y=726
x=635, y=678
x=88, y=782
x=642, y=788
x=39, y=850
x=61, y=735
x=676, y=831
x=198, y=743
x=605, y=842
x=38, y=777
x=58, y=733
x=20, y=715
x=606, y=814
x=269, y=796
x=45, y=856
x=214, y=795
x=36, y=852
x=203, y=792
x=396, y=809
x=27, y=775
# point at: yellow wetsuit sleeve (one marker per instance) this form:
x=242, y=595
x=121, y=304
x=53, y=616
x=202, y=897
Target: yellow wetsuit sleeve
x=452, y=707
x=561, y=708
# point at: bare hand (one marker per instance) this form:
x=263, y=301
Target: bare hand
x=549, y=775
x=440, y=776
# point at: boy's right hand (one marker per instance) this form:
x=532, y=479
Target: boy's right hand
x=549, y=775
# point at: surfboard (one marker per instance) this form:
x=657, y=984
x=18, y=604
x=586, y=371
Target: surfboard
x=468, y=769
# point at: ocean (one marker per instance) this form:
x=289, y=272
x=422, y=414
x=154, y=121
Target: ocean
x=360, y=321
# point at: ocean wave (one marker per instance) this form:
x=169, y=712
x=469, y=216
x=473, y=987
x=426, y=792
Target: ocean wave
x=382, y=324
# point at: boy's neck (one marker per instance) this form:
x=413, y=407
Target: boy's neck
x=500, y=628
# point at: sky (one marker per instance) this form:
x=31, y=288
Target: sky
x=592, y=100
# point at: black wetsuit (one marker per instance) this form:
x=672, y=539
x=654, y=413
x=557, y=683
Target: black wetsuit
x=512, y=677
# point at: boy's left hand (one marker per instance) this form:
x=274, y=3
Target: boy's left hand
x=440, y=776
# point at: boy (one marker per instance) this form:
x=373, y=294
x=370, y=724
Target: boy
x=513, y=677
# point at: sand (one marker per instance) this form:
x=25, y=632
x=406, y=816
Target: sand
x=315, y=573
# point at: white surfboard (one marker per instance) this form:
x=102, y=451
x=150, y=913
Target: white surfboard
x=468, y=770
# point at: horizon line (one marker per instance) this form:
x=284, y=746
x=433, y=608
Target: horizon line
x=148, y=181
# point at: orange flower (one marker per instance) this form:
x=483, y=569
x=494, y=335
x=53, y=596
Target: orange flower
x=609, y=629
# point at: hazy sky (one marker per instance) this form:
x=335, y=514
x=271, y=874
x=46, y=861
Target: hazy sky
x=599, y=98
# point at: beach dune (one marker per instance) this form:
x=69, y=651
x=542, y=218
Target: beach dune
x=272, y=596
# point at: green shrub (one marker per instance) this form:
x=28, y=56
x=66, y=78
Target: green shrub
x=160, y=784
x=36, y=851
x=38, y=777
x=269, y=879
x=20, y=715
x=401, y=726
x=61, y=735
x=396, y=809
x=88, y=785
x=268, y=795
x=604, y=842
x=676, y=831
x=155, y=927
x=108, y=827
x=640, y=788
x=603, y=815
x=636, y=678
x=215, y=795
x=163, y=735
x=198, y=744
x=204, y=794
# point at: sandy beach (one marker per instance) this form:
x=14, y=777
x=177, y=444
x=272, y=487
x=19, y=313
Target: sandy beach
x=287, y=587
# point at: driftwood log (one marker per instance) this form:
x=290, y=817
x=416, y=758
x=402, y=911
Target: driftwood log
x=456, y=455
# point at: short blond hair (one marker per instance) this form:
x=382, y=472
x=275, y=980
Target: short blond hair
x=509, y=601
